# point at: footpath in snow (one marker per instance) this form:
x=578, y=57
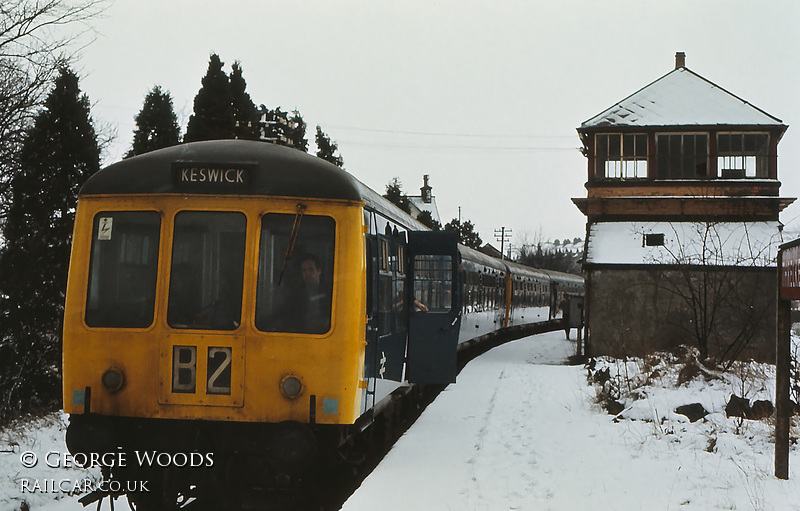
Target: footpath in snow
x=520, y=430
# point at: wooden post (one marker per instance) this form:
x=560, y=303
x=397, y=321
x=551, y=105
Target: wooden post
x=783, y=410
x=581, y=305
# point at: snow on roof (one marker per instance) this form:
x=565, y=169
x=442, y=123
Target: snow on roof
x=682, y=98
x=421, y=205
x=715, y=244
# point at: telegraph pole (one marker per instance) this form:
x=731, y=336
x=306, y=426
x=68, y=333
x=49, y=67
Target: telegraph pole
x=502, y=235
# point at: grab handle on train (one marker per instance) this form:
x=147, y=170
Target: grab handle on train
x=452, y=323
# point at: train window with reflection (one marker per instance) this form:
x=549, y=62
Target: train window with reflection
x=123, y=269
x=205, y=288
x=433, y=282
x=295, y=273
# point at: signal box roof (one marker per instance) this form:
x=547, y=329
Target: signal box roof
x=682, y=98
x=227, y=167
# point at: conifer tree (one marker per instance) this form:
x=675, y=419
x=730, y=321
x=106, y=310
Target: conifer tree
x=285, y=129
x=245, y=114
x=58, y=154
x=326, y=149
x=297, y=132
x=466, y=232
x=395, y=195
x=275, y=126
x=156, y=124
x=213, y=106
x=426, y=218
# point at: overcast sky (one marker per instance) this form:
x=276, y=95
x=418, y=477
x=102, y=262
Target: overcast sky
x=484, y=96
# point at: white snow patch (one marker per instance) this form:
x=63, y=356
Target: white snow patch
x=717, y=244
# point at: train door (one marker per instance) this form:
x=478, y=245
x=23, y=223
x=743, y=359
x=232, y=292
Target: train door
x=370, y=356
x=434, y=298
x=387, y=328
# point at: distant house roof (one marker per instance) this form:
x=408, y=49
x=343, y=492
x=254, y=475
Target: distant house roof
x=682, y=98
x=751, y=244
x=489, y=250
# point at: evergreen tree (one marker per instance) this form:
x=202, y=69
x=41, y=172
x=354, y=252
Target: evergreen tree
x=297, y=132
x=58, y=154
x=213, y=116
x=156, y=124
x=427, y=219
x=556, y=259
x=326, y=149
x=284, y=129
x=466, y=233
x=394, y=193
x=275, y=124
x=245, y=114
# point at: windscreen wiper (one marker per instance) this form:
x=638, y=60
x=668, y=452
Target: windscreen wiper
x=298, y=218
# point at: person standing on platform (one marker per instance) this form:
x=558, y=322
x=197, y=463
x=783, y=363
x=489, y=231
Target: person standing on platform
x=563, y=306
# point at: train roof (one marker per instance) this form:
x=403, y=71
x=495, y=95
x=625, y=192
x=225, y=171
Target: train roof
x=563, y=277
x=475, y=256
x=521, y=270
x=216, y=167
x=516, y=269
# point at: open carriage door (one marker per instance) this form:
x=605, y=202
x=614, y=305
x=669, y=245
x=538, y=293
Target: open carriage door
x=434, y=284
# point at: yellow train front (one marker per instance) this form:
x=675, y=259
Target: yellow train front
x=233, y=298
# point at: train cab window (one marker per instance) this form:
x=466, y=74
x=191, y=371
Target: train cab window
x=123, y=269
x=205, y=288
x=433, y=282
x=295, y=274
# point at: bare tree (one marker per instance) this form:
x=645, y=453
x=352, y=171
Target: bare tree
x=37, y=38
x=714, y=270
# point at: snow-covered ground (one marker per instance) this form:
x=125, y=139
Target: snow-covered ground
x=47, y=483
x=520, y=430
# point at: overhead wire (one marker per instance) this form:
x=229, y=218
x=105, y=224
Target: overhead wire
x=449, y=146
x=444, y=134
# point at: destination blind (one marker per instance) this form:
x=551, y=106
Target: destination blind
x=212, y=175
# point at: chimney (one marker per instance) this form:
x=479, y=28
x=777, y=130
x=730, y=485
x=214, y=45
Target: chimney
x=680, y=60
x=426, y=190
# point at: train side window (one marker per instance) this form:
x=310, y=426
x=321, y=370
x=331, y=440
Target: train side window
x=205, y=288
x=384, y=261
x=433, y=282
x=295, y=274
x=123, y=269
x=399, y=294
x=401, y=265
x=387, y=297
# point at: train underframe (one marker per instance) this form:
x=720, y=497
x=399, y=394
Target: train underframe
x=173, y=464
